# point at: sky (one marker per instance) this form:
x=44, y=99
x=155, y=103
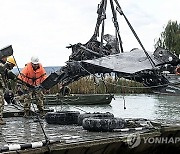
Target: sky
x=44, y=28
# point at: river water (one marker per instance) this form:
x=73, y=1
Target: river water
x=164, y=109
x=149, y=106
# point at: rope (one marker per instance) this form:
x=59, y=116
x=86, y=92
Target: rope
x=103, y=23
x=116, y=25
x=46, y=138
x=74, y=106
x=123, y=95
x=99, y=20
x=133, y=31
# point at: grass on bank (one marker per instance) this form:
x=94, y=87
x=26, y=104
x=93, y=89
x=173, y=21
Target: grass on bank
x=91, y=85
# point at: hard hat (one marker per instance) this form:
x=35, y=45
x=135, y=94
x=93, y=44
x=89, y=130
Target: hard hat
x=11, y=60
x=34, y=60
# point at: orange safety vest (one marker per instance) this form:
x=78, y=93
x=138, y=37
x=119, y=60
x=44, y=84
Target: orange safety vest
x=32, y=77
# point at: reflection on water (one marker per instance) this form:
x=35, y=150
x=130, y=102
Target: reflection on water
x=153, y=107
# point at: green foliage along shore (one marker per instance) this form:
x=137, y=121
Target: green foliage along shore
x=170, y=37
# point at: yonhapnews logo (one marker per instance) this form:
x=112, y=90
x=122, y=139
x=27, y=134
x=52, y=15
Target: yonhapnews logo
x=133, y=140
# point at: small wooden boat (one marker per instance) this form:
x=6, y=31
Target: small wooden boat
x=78, y=99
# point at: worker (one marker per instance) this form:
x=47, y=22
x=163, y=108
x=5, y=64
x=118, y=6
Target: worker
x=33, y=74
x=6, y=64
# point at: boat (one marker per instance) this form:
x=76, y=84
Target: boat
x=78, y=99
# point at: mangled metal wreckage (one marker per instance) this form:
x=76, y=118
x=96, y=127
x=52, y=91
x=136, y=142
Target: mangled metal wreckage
x=99, y=57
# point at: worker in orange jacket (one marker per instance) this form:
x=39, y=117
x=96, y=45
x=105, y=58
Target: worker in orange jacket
x=34, y=74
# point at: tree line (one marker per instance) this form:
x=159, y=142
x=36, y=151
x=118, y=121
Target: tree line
x=170, y=37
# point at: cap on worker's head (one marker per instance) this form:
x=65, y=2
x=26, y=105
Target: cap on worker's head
x=11, y=60
x=34, y=60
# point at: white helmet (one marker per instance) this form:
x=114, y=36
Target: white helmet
x=34, y=60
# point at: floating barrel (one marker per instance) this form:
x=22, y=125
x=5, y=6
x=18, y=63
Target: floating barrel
x=96, y=114
x=103, y=124
x=62, y=117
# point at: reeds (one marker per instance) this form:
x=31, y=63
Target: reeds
x=100, y=85
x=107, y=85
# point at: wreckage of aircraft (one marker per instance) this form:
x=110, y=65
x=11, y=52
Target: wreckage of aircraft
x=99, y=57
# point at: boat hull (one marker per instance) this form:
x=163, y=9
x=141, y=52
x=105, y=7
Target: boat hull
x=79, y=99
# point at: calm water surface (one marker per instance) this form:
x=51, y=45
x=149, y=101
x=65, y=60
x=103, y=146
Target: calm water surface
x=154, y=107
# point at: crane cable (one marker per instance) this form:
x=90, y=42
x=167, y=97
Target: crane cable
x=133, y=31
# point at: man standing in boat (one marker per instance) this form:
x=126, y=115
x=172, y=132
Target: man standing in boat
x=33, y=74
x=6, y=64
